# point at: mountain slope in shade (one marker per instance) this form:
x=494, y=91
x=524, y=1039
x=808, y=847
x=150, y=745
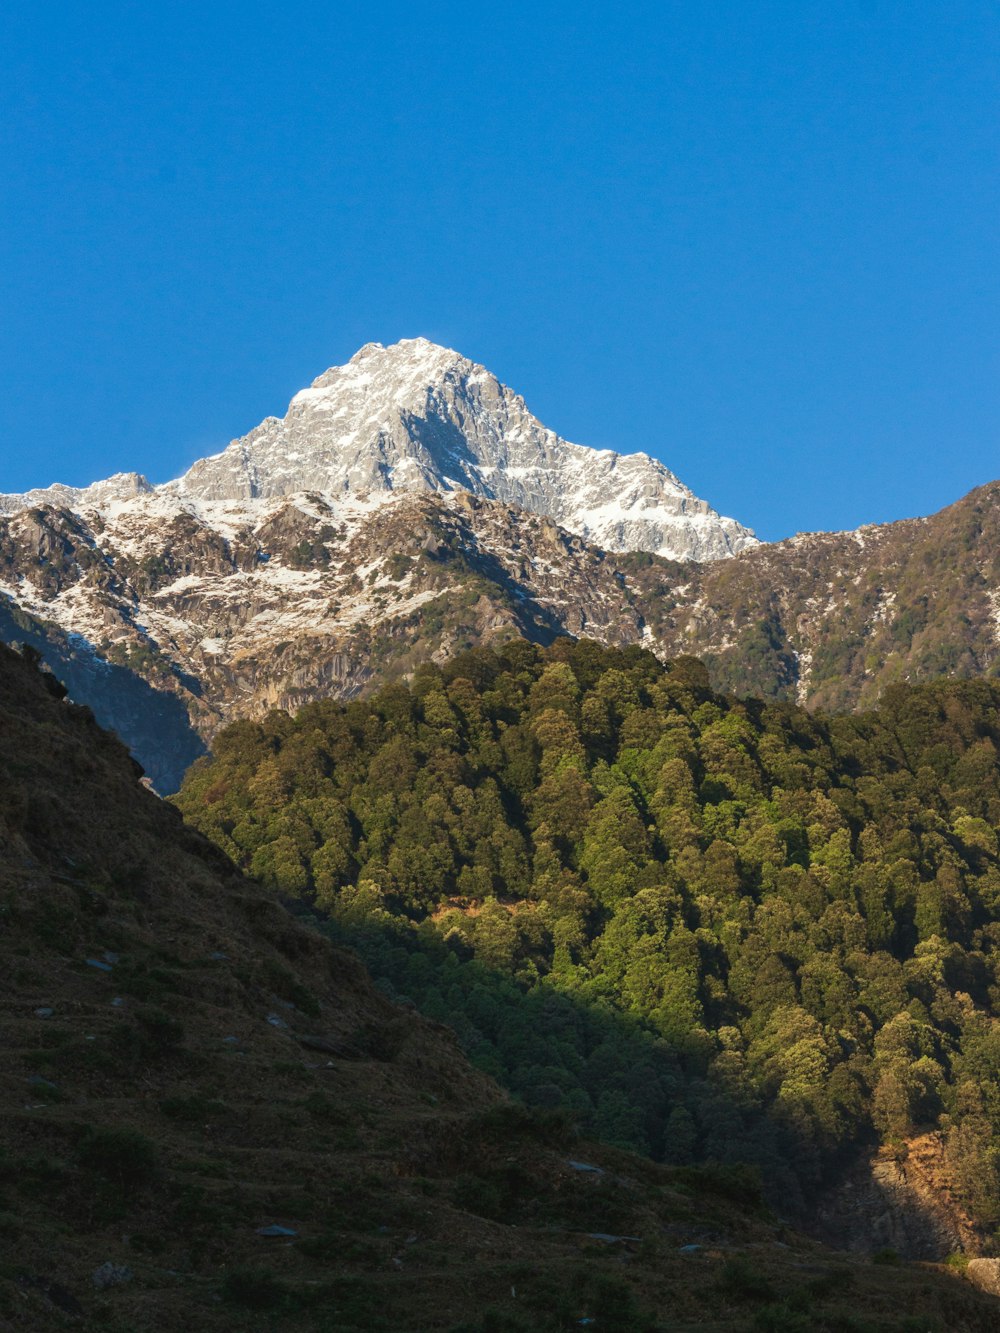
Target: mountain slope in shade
x=419, y=417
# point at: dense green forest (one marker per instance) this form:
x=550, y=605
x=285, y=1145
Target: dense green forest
x=712, y=928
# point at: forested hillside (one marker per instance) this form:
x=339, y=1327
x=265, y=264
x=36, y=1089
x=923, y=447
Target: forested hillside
x=715, y=929
x=210, y=1120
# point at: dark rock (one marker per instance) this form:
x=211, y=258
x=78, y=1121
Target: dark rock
x=60, y=1297
x=110, y=1275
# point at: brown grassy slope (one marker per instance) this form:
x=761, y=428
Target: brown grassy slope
x=158, y=1110
x=832, y=618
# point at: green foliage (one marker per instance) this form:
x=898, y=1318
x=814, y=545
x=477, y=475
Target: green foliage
x=888, y=1258
x=714, y=930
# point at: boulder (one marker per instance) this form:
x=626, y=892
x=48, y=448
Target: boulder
x=985, y=1274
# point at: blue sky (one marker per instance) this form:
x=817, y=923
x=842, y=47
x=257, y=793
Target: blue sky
x=759, y=241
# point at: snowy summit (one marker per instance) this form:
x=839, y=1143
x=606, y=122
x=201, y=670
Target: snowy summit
x=415, y=416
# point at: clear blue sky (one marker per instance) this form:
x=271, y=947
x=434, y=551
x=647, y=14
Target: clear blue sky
x=758, y=240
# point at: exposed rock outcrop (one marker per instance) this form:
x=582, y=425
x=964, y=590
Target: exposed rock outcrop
x=985, y=1274
x=907, y=1203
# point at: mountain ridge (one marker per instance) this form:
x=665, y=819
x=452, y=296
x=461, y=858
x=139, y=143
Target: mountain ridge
x=177, y=608
x=233, y=614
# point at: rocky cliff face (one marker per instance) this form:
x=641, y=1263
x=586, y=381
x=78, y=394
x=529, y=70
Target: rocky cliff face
x=907, y=1202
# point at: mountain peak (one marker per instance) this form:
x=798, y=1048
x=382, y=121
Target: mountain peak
x=416, y=416
x=400, y=360
x=403, y=347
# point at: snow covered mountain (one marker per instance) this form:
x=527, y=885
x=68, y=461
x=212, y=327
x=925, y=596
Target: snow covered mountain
x=419, y=417
x=122, y=486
